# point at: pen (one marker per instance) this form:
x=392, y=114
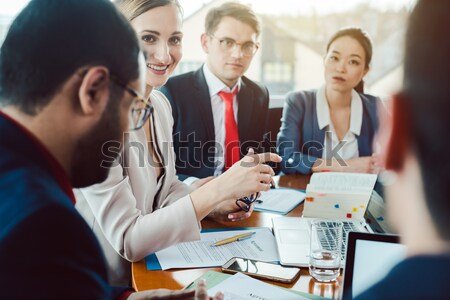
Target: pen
x=238, y=237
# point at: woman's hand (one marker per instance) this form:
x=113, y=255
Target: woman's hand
x=365, y=164
x=244, y=178
x=229, y=211
x=358, y=165
x=248, y=176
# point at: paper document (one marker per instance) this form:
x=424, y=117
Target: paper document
x=336, y=182
x=280, y=200
x=203, y=253
x=243, y=287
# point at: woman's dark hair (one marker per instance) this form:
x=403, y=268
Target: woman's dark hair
x=362, y=37
x=132, y=9
x=51, y=39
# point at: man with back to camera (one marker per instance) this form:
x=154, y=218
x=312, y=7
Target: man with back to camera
x=417, y=142
x=63, y=95
x=219, y=113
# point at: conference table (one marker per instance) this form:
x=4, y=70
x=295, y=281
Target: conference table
x=143, y=279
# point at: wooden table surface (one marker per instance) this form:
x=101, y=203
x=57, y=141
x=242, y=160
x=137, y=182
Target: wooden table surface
x=179, y=278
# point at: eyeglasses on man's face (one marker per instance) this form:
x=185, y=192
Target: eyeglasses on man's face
x=229, y=45
x=141, y=109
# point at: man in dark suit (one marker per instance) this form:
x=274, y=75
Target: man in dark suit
x=65, y=97
x=416, y=140
x=211, y=132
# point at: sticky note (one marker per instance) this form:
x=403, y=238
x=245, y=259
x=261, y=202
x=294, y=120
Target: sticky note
x=355, y=209
x=337, y=205
x=349, y=215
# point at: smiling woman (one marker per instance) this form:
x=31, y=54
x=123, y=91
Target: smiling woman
x=144, y=207
x=159, y=29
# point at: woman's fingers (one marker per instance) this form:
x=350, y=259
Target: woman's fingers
x=265, y=178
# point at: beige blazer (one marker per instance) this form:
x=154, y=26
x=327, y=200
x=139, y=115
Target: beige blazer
x=132, y=213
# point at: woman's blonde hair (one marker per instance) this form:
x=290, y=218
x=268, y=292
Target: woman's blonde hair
x=132, y=9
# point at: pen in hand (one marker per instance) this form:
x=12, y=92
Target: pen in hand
x=235, y=238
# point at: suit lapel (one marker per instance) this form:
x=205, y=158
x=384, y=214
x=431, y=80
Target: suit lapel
x=245, y=111
x=201, y=93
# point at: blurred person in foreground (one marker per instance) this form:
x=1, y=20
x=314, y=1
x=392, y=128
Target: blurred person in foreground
x=416, y=142
x=63, y=95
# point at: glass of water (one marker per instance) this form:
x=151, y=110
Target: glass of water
x=325, y=249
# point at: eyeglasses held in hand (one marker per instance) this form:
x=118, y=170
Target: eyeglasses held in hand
x=141, y=109
x=229, y=45
x=245, y=203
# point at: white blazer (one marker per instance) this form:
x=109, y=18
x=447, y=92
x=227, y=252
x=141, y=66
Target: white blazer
x=133, y=213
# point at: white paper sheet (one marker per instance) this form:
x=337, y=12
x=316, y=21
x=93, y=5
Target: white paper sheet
x=280, y=200
x=243, y=287
x=336, y=182
x=202, y=253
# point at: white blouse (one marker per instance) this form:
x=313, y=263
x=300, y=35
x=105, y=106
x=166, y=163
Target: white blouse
x=348, y=148
x=133, y=213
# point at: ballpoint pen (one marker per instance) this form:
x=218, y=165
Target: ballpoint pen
x=238, y=237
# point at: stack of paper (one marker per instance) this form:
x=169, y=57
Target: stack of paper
x=338, y=195
x=280, y=200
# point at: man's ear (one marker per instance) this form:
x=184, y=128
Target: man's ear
x=399, y=142
x=94, y=90
x=205, y=42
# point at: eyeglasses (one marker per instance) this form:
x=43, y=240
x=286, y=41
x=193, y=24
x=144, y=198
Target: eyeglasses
x=245, y=203
x=227, y=44
x=141, y=109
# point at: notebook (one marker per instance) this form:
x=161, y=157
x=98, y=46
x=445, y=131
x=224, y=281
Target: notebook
x=369, y=258
x=292, y=235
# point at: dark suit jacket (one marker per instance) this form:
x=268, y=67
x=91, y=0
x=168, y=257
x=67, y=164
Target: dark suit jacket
x=420, y=277
x=193, y=130
x=47, y=251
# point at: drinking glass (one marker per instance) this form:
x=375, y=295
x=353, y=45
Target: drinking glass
x=325, y=249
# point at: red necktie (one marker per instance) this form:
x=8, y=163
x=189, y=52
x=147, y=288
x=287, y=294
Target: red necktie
x=232, y=152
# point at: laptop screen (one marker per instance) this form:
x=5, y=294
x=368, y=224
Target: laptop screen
x=375, y=214
x=369, y=259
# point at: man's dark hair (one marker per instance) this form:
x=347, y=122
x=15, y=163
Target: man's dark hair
x=50, y=39
x=426, y=94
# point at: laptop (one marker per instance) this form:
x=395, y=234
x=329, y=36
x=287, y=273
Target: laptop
x=369, y=258
x=292, y=234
